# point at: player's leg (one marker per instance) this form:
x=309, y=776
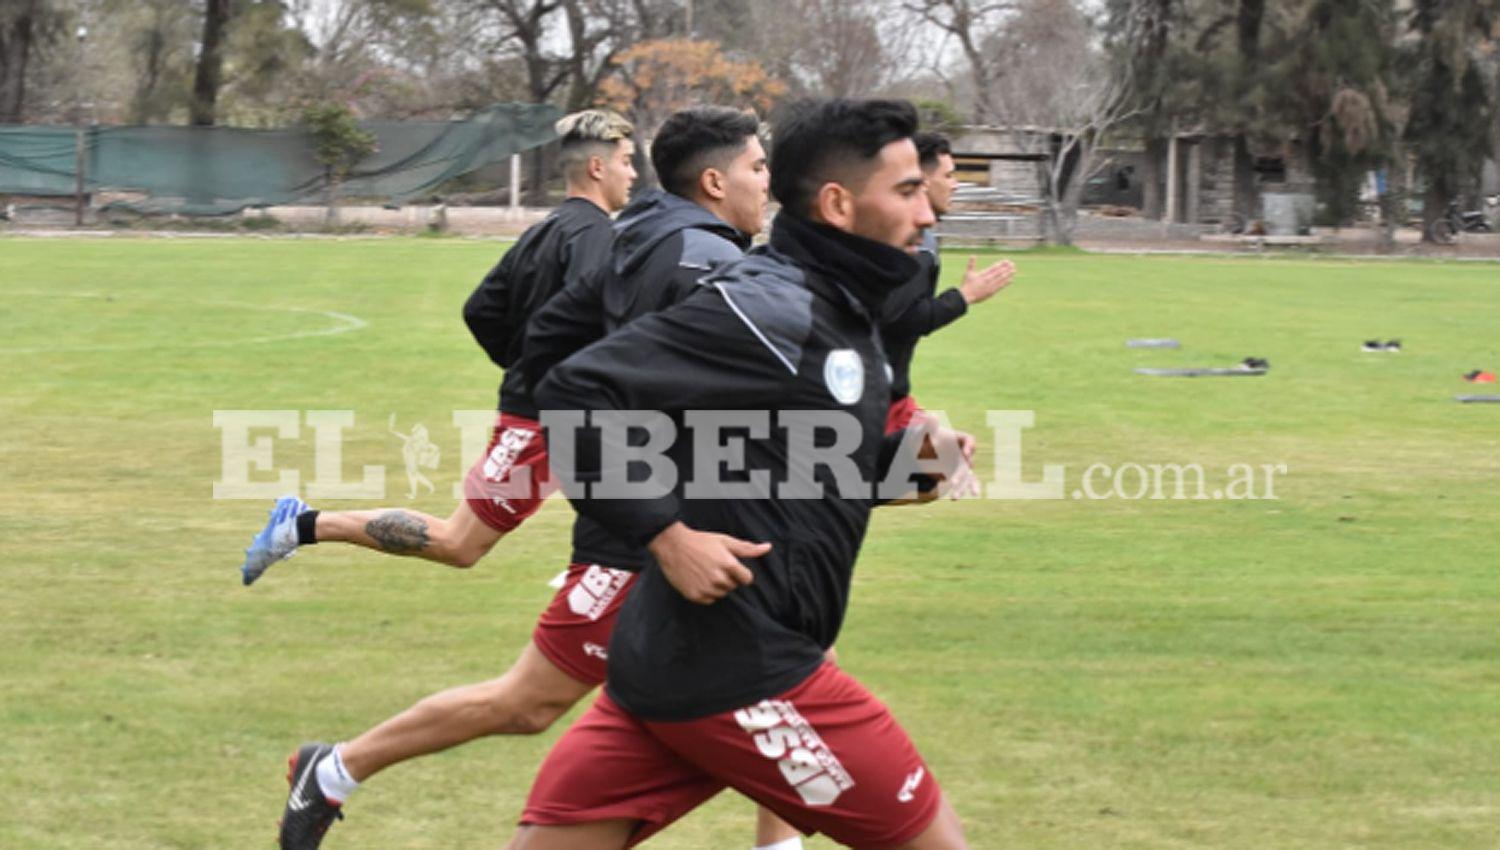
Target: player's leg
x=944, y=833
x=828, y=757
x=608, y=780
x=772, y=831
x=524, y=701
x=502, y=490
x=564, y=661
x=600, y=835
x=458, y=541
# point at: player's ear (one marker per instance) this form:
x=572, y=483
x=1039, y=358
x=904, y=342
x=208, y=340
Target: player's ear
x=712, y=184
x=834, y=205
x=596, y=167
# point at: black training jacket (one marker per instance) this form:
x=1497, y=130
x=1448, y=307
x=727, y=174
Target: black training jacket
x=573, y=239
x=913, y=311
x=663, y=245
x=788, y=328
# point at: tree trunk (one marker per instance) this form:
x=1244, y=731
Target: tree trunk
x=1246, y=182
x=210, y=63
x=1495, y=131
x=143, y=111
x=1391, y=203
x=15, y=51
x=331, y=215
x=1434, y=204
x=1067, y=214
x=1151, y=179
x=1249, y=16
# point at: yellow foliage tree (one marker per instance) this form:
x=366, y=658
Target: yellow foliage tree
x=655, y=78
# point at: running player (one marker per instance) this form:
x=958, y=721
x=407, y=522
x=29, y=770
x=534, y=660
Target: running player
x=914, y=311
x=716, y=674
x=596, y=151
x=666, y=236
x=666, y=242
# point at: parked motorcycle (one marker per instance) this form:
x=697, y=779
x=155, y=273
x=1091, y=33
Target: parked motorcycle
x=1454, y=221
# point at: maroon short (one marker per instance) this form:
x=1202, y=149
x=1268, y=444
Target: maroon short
x=506, y=486
x=826, y=756
x=902, y=411
x=574, y=630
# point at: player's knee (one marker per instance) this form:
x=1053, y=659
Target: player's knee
x=511, y=713
x=536, y=719
x=464, y=553
x=464, y=557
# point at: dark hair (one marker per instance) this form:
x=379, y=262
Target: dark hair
x=818, y=141
x=698, y=138
x=930, y=146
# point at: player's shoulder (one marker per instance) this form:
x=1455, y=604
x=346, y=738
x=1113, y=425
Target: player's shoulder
x=770, y=295
x=576, y=216
x=706, y=249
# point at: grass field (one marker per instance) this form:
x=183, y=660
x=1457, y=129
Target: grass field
x=1318, y=670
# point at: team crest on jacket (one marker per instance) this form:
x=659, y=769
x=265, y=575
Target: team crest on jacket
x=844, y=373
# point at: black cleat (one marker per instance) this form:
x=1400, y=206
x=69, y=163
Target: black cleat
x=1372, y=345
x=308, y=813
x=1393, y=345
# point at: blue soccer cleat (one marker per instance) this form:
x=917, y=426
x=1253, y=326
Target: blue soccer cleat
x=277, y=541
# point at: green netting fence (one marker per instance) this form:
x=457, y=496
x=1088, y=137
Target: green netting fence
x=218, y=170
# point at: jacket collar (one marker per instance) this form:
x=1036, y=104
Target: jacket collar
x=866, y=271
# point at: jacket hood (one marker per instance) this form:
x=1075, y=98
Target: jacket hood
x=656, y=216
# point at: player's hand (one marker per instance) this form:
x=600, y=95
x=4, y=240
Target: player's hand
x=980, y=285
x=704, y=566
x=957, y=480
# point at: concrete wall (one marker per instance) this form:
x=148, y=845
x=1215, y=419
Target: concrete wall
x=468, y=221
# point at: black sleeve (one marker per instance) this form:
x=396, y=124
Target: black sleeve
x=697, y=355
x=927, y=314
x=486, y=310
x=571, y=321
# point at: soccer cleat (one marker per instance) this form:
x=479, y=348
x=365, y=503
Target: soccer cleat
x=1372, y=345
x=308, y=813
x=276, y=542
x=1393, y=346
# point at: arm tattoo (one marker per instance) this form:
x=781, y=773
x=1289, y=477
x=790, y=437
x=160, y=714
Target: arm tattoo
x=398, y=532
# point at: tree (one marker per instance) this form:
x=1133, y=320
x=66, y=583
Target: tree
x=1342, y=59
x=1450, y=105
x=263, y=58
x=1062, y=96
x=159, y=34
x=595, y=30
x=969, y=22
x=656, y=78
x=338, y=145
x=210, y=66
x=1146, y=37
x=24, y=25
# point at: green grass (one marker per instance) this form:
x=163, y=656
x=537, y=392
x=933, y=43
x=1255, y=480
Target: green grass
x=1314, y=671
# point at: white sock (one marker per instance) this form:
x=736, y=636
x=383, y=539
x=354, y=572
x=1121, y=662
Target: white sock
x=793, y=843
x=335, y=781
